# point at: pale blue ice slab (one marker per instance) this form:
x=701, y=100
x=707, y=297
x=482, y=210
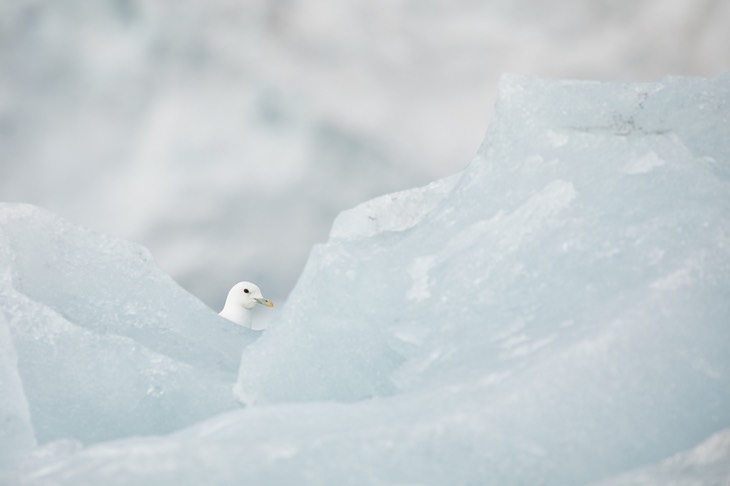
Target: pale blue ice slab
x=557, y=313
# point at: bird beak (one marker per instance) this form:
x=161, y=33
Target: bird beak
x=265, y=302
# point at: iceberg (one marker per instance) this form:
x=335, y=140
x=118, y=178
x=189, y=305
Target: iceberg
x=555, y=314
x=107, y=345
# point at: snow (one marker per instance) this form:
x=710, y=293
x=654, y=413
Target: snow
x=547, y=316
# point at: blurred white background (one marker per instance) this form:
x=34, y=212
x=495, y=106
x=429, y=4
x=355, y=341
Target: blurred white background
x=226, y=135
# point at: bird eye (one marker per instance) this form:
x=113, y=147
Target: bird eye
x=245, y=290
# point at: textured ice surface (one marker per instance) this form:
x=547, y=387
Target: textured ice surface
x=546, y=246
x=556, y=314
x=107, y=345
x=392, y=212
x=707, y=464
x=16, y=431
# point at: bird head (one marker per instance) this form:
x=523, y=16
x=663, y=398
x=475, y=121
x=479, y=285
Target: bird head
x=247, y=295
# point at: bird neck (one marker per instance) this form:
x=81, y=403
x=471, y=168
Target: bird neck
x=236, y=313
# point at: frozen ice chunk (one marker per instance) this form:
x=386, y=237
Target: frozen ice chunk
x=558, y=315
x=558, y=290
x=108, y=346
x=16, y=431
x=391, y=212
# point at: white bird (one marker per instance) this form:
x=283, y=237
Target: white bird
x=241, y=299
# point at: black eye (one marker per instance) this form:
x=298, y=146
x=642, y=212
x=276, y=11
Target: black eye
x=245, y=290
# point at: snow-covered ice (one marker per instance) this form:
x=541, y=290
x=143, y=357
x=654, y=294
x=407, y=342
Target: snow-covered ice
x=556, y=313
